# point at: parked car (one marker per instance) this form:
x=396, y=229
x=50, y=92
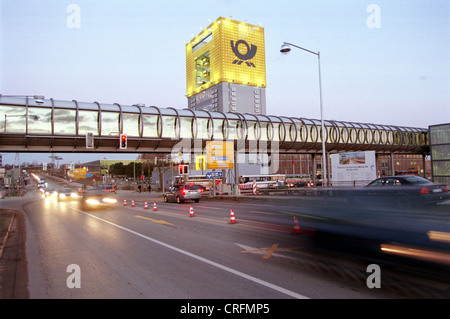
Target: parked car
x=180, y=193
x=96, y=199
x=406, y=190
x=66, y=194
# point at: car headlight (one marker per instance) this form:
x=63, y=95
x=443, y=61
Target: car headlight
x=110, y=200
x=73, y=194
x=92, y=201
x=62, y=196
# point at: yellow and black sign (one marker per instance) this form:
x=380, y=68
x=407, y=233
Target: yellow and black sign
x=219, y=155
x=226, y=51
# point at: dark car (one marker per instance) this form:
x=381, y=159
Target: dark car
x=96, y=199
x=180, y=193
x=406, y=190
x=66, y=194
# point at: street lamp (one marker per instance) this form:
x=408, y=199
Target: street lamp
x=286, y=48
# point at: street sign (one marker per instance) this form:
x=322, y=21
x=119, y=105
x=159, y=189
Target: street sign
x=212, y=175
x=219, y=155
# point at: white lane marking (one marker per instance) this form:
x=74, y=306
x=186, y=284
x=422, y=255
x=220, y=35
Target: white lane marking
x=207, y=261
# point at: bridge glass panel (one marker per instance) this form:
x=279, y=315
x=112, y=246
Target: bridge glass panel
x=110, y=123
x=151, y=125
x=39, y=120
x=219, y=129
x=64, y=122
x=12, y=119
x=204, y=128
x=252, y=130
x=87, y=122
x=187, y=127
x=169, y=124
x=264, y=131
x=233, y=129
x=131, y=124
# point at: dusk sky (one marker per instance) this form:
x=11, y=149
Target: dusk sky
x=383, y=62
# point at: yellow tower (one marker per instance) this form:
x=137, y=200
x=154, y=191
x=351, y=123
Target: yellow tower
x=226, y=68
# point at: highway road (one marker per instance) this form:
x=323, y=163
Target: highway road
x=133, y=252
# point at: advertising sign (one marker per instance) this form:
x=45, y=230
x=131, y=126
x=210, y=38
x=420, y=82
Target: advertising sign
x=219, y=155
x=353, y=169
x=226, y=51
x=78, y=173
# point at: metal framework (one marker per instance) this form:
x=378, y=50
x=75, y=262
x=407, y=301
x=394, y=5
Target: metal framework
x=36, y=124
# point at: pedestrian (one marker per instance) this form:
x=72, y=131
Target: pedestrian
x=149, y=188
x=139, y=188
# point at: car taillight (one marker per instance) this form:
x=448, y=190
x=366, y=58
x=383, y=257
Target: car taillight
x=200, y=190
x=183, y=191
x=445, y=189
x=424, y=191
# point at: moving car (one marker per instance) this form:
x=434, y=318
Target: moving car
x=407, y=190
x=66, y=194
x=47, y=192
x=42, y=183
x=180, y=193
x=96, y=199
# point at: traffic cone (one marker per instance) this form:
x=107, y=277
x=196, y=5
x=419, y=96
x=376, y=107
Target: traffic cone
x=132, y=203
x=154, y=206
x=145, y=205
x=232, y=218
x=191, y=212
x=124, y=202
x=297, y=229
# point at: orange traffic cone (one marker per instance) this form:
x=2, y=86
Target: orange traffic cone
x=232, y=218
x=154, y=206
x=132, y=203
x=124, y=202
x=191, y=212
x=297, y=229
x=145, y=205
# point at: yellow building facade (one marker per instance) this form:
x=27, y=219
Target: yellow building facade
x=227, y=51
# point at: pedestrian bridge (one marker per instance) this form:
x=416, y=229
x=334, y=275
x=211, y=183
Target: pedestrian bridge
x=36, y=124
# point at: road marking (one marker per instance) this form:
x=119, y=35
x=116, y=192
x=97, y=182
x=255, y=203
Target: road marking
x=156, y=221
x=267, y=252
x=204, y=260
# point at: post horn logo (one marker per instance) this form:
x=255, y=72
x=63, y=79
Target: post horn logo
x=251, y=52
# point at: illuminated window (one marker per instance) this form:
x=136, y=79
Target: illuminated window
x=202, y=69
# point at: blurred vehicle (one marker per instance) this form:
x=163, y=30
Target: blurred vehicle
x=42, y=183
x=66, y=194
x=407, y=190
x=182, y=192
x=109, y=187
x=48, y=192
x=96, y=199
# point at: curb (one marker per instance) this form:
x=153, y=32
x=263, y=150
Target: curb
x=7, y=234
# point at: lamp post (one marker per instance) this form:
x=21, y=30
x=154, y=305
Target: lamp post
x=286, y=48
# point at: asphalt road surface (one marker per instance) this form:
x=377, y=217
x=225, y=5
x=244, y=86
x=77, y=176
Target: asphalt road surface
x=133, y=252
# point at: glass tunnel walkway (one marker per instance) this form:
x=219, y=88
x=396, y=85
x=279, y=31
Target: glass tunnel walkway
x=36, y=124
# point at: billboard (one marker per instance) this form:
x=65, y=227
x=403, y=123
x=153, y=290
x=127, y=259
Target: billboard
x=219, y=155
x=226, y=51
x=353, y=169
